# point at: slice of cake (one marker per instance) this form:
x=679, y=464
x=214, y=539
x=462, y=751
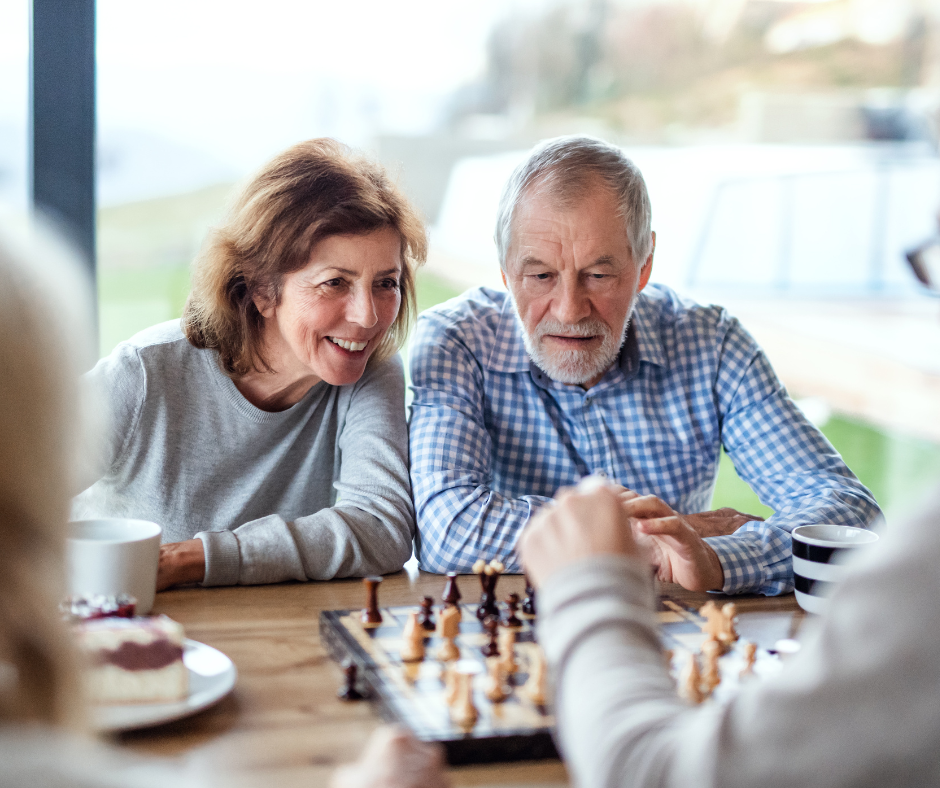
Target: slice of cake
x=133, y=660
x=85, y=608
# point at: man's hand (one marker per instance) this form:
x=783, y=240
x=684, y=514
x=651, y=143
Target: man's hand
x=719, y=522
x=675, y=547
x=180, y=563
x=578, y=525
x=393, y=758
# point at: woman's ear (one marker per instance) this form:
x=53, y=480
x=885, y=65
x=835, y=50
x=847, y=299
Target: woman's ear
x=264, y=303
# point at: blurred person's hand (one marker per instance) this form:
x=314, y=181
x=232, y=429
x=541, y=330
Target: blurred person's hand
x=585, y=522
x=181, y=563
x=579, y=524
x=393, y=758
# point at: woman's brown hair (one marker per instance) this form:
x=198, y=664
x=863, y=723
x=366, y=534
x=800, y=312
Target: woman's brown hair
x=313, y=190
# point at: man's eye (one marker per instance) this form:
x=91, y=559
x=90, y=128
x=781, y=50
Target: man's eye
x=543, y=277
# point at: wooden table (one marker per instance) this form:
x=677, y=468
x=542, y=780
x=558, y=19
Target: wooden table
x=283, y=724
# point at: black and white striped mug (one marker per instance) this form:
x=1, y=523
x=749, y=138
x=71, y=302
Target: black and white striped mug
x=819, y=553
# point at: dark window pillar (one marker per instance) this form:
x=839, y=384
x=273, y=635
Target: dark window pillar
x=62, y=118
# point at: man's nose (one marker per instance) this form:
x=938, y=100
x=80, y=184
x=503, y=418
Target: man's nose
x=571, y=304
x=361, y=308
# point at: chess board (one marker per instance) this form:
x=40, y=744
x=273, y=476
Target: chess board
x=413, y=693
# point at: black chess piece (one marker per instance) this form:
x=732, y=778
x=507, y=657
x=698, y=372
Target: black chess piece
x=371, y=615
x=490, y=625
x=348, y=691
x=528, y=604
x=451, y=595
x=512, y=605
x=426, y=616
x=487, y=606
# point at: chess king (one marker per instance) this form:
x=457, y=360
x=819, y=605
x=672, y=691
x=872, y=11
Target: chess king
x=585, y=367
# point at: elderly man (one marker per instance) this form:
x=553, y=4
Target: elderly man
x=581, y=368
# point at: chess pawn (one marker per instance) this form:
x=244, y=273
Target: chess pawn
x=690, y=683
x=490, y=626
x=426, y=618
x=714, y=626
x=534, y=688
x=451, y=685
x=750, y=657
x=412, y=644
x=451, y=595
x=463, y=712
x=495, y=682
x=348, y=691
x=507, y=650
x=711, y=675
x=449, y=650
x=729, y=634
x=512, y=605
x=448, y=627
x=528, y=604
x=371, y=616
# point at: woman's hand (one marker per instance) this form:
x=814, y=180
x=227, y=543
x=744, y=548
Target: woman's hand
x=181, y=563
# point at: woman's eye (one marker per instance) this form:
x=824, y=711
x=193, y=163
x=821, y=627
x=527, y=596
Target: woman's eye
x=388, y=284
x=334, y=283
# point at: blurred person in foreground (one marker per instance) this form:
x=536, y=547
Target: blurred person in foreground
x=44, y=342
x=265, y=431
x=584, y=367
x=858, y=706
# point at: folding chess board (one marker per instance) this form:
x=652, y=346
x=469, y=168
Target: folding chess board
x=413, y=693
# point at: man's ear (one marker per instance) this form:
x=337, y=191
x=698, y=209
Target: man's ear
x=647, y=268
x=502, y=273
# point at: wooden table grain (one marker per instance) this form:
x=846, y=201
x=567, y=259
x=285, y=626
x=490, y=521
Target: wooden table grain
x=283, y=725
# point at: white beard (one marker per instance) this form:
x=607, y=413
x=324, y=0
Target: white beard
x=575, y=367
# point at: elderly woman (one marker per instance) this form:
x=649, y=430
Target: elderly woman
x=266, y=430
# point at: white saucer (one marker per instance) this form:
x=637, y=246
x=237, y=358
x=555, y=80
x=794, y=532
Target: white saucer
x=211, y=677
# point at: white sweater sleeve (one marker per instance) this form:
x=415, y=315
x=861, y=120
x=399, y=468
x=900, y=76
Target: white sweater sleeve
x=860, y=704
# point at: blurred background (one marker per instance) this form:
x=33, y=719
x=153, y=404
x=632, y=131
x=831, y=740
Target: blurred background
x=790, y=149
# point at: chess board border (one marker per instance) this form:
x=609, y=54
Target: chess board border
x=459, y=748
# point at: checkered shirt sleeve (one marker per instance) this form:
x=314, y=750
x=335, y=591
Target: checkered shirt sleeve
x=789, y=464
x=462, y=518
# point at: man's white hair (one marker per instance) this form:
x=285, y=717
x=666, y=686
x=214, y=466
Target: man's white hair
x=565, y=167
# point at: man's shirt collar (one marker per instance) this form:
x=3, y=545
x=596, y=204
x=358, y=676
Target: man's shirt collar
x=643, y=343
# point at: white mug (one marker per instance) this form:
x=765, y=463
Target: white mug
x=818, y=553
x=114, y=556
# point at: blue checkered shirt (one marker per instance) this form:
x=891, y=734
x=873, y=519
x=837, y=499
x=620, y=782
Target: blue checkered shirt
x=493, y=437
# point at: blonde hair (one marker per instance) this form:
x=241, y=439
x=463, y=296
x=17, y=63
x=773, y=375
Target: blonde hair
x=43, y=318
x=313, y=190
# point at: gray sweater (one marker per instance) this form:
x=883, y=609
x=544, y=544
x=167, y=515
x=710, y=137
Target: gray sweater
x=858, y=707
x=317, y=491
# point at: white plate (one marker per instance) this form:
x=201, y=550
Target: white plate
x=211, y=677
